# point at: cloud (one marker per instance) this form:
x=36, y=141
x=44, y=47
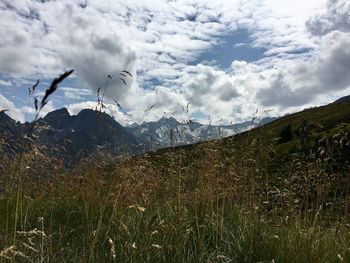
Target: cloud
x=279, y=26
x=302, y=81
x=13, y=111
x=159, y=41
x=207, y=84
x=30, y=111
x=336, y=17
x=104, y=53
x=281, y=93
x=103, y=38
x=75, y=93
x=24, y=49
x=331, y=66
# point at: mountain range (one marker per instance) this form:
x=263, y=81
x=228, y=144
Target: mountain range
x=72, y=136
x=168, y=132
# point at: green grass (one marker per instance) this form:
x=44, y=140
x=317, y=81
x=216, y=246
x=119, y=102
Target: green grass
x=85, y=231
x=247, y=198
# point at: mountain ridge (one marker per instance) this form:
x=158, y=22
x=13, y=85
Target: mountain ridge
x=71, y=136
x=90, y=130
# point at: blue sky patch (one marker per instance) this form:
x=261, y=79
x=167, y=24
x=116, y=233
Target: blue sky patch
x=234, y=46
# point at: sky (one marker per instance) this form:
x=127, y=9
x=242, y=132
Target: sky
x=224, y=61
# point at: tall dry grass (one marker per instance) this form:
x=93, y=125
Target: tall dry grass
x=220, y=201
x=216, y=202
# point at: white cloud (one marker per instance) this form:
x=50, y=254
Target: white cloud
x=30, y=111
x=336, y=17
x=301, y=82
x=205, y=84
x=75, y=93
x=13, y=112
x=160, y=39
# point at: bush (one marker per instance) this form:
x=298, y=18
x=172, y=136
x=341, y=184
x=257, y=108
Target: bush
x=286, y=134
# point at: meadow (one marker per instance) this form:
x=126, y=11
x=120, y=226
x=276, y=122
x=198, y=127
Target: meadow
x=278, y=193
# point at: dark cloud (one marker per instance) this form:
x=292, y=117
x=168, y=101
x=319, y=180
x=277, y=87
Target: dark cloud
x=280, y=93
x=19, y=40
x=228, y=92
x=327, y=71
x=96, y=52
x=336, y=17
x=199, y=86
x=210, y=91
x=11, y=61
x=334, y=66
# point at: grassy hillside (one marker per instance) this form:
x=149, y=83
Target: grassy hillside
x=320, y=131
x=324, y=119
x=279, y=193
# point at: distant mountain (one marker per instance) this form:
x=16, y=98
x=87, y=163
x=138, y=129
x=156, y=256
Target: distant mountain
x=10, y=131
x=165, y=132
x=87, y=132
x=71, y=137
x=170, y=132
x=61, y=135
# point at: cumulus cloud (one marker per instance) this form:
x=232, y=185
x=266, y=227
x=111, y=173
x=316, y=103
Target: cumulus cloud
x=24, y=51
x=75, y=93
x=336, y=17
x=158, y=41
x=96, y=52
x=280, y=92
x=30, y=111
x=104, y=37
x=331, y=66
x=301, y=82
x=207, y=84
x=13, y=111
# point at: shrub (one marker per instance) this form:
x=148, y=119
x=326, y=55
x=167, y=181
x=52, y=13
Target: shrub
x=286, y=134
